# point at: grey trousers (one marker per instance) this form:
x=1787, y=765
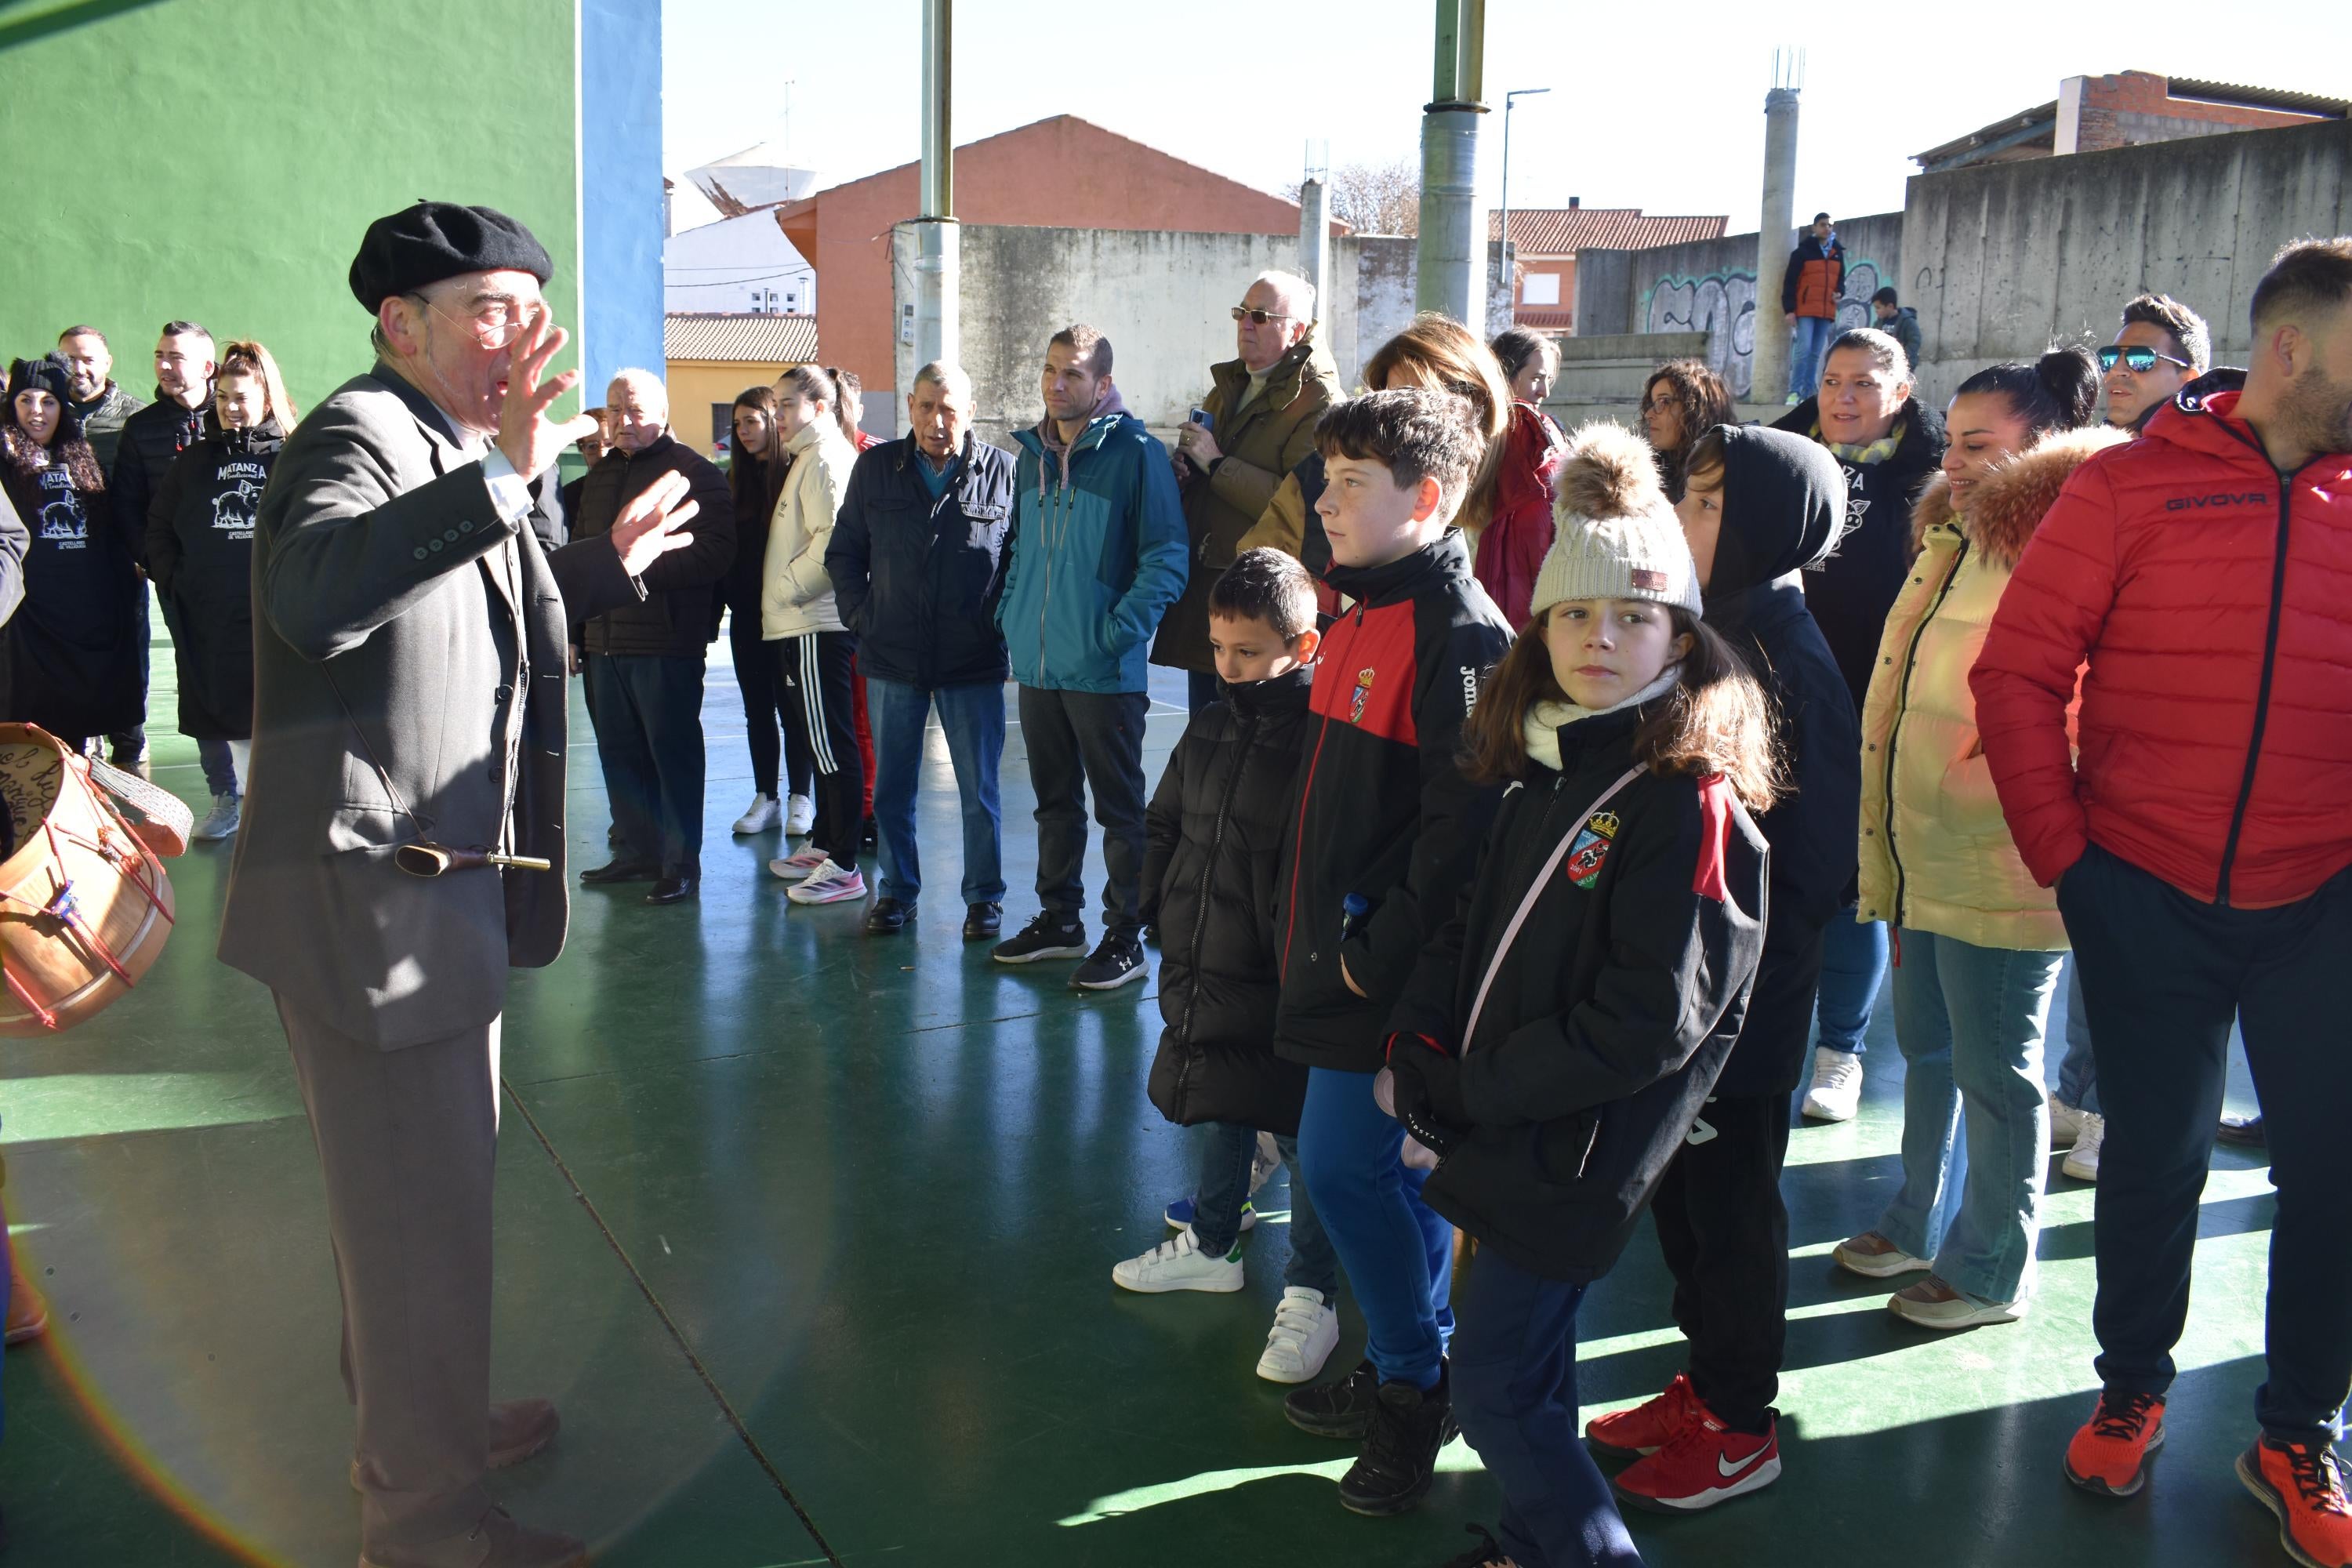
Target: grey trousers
x=408, y=1143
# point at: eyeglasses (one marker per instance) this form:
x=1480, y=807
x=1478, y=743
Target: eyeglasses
x=2140, y=359
x=1259, y=318
x=493, y=327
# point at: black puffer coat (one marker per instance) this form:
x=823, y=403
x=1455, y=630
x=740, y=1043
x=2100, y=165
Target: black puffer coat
x=151, y=439
x=78, y=643
x=200, y=556
x=1611, y=1012
x=918, y=576
x=673, y=618
x=1215, y=830
x=1783, y=503
x=1852, y=588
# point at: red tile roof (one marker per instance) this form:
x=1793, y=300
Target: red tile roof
x=739, y=338
x=1564, y=231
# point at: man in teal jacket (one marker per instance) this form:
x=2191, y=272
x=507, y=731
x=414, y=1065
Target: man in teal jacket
x=1098, y=555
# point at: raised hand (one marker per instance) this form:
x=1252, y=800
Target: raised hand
x=646, y=529
x=531, y=441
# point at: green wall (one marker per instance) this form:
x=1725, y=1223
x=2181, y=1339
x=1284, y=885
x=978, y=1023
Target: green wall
x=218, y=160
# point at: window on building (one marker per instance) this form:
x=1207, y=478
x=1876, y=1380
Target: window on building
x=1540, y=288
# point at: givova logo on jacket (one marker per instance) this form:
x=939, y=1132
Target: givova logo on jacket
x=1590, y=850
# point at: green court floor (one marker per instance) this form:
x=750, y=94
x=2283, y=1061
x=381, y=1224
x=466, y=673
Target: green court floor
x=810, y=1234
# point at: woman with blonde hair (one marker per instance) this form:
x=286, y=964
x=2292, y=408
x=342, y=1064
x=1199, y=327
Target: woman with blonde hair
x=200, y=556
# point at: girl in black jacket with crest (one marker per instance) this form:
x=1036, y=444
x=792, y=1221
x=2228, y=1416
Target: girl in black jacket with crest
x=1561, y=1033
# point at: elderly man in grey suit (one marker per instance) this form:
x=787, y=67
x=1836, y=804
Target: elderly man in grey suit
x=409, y=690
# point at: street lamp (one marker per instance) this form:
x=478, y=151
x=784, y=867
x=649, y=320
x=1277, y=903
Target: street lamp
x=1509, y=280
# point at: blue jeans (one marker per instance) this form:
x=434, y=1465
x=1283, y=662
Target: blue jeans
x=1226, y=1156
x=1813, y=341
x=1853, y=966
x=219, y=760
x=1970, y=1021
x=1515, y=1394
x=1398, y=1254
x=973, y=717
x=2078, y=1075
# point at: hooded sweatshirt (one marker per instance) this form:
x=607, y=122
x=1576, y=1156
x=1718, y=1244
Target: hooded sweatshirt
x=1784, y=510
x=200, y=554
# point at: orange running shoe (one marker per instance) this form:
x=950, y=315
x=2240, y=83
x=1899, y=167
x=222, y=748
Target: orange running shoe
x=2109, y=1454
x=1638, y=1433
x=2303, y=1483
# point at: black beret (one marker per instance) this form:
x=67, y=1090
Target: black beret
x=433, y=240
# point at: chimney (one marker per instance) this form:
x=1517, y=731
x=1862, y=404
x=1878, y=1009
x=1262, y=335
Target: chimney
x=1574, y=201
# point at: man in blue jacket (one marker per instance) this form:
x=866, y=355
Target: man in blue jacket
x=917, y=559
x=1098, y=555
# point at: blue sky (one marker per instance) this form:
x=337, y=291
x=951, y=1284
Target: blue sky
x=1654, y=106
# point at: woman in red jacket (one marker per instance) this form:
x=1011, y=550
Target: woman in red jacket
x=1512, y=546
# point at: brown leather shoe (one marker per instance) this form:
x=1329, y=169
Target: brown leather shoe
x=28, y=1315
x=518, y=1428
x=497, y=1541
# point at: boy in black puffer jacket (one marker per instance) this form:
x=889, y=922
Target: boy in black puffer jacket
x=1214, y=830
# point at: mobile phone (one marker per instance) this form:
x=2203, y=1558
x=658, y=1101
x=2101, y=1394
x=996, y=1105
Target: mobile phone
x=1205, y=419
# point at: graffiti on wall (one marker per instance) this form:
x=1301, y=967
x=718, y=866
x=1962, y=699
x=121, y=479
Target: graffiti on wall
x=1723, y=306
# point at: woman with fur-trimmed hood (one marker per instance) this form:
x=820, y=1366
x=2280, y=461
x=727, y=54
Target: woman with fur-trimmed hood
x=1981, y=941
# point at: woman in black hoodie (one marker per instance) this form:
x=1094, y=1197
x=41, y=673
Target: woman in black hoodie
x=1759, y=508
x=200, y=554
x=75, y=644
x=1559, y=1037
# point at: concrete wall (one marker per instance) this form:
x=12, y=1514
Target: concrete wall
x=1709, y=286
x=1164, y=299
x=150, y=215
x=2004, y=260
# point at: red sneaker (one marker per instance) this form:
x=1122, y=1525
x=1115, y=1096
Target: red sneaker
x=2109, y=1454
x=2303, y=1483
x=1638, y=1433
x=1702, y=1464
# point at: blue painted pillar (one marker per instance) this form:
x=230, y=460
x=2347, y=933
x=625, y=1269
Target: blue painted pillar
x=619, y=190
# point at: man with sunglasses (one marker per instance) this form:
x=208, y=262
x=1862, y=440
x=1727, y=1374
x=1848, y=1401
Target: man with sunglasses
x=409, y=685
x=1262, y=405
x=2162, y=346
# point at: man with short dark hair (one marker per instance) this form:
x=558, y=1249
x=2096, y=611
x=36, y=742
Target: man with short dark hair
x=95, y=399
x=1898, y=321
x=1809, y=299
x=1098, y=556
x=2203, y=859
x=2163, y=345
x=646, y=660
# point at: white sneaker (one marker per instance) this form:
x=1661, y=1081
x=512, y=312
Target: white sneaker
x=1179, y=1264
x=2065, y=1122
x=2082, y=1161
x=221, y=821
x=760, y=816
x=1305, y=1329
x=828, y=884
x=796, y=865
x=1836, y=1094
x=800, y=815
x=1265, y=1161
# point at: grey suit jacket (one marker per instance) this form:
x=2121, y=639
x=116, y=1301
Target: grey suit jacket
x=382, y=607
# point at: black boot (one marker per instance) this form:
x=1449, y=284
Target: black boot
x=1400, y=1457
x=1341, y=1409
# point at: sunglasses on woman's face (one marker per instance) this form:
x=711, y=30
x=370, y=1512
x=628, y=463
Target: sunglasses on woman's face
x=2135, y=357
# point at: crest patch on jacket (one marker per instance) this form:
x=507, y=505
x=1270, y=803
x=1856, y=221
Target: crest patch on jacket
x=1590, y=850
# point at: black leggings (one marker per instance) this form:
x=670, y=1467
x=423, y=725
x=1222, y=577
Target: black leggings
x=813, y=673
x=774, y=746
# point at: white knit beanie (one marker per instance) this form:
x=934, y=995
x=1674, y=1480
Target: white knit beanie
x=1616, y=535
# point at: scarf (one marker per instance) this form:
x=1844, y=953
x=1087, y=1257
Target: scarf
x=1862, y=454
x=1540, y=729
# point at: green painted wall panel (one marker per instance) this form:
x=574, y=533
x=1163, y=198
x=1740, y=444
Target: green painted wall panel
x=218, y=160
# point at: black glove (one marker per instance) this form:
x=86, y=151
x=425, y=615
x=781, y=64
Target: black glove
x=1425, y=1087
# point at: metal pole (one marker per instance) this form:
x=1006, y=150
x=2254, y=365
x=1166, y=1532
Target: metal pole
x=1450, y=256
x=938, y=276
x=1507, y=275
x=1315, y=251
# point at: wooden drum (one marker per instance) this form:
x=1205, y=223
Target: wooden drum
x=84, y=904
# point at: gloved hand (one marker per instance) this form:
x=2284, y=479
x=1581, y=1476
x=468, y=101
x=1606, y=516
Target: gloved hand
x=1427, y=1089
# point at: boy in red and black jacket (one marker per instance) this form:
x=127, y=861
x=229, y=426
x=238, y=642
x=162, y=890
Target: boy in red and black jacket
x=1388, y=832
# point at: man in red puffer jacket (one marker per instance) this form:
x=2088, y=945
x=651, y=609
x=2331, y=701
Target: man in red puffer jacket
x=2204, y=841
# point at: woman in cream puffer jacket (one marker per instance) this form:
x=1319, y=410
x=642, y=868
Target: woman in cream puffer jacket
x=795, y=595
x=1978, y=943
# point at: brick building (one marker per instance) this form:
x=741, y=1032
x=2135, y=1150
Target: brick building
x=2092, y=114
x=1545, y=241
